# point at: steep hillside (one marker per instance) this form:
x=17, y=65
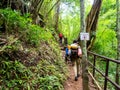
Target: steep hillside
x=30, y=57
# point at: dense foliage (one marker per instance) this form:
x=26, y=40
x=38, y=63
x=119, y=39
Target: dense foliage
x=106, y=41
x=33, y=61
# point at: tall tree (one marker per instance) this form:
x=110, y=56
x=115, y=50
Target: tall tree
x=84, y=57
x=57, y=16
x=91, y=22
x=118, y=37
x=35, y=8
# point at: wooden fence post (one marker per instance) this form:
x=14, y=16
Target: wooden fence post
x=94, y=63
x=106, y=74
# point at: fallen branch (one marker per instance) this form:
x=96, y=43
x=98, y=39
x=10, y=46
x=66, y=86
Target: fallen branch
x=3, y=40
x=10, y=43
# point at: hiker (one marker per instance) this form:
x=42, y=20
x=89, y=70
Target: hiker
x=67, y=54
x=75, y=58
x=60, y=38
x=65, y=41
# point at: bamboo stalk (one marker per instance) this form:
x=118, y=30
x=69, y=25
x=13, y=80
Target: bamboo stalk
x=95, y=81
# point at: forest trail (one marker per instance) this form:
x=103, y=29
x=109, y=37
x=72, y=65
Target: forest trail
x=70, y=83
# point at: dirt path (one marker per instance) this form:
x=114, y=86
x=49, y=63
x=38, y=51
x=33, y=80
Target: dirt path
x=71, y=84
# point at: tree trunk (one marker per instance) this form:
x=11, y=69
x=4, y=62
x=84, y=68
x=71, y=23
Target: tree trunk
x=84, y=57
x=34, y=9
x=118, y=37
x=91, y=22
x=57, y=16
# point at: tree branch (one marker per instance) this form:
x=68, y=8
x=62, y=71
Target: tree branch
x=52, y=7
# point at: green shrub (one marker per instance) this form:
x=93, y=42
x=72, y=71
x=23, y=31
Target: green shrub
x=22, y=26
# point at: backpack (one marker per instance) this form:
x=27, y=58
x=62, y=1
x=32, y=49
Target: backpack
x=79, y=52
x=66, y=51
x=60, y=35
x=74, y=53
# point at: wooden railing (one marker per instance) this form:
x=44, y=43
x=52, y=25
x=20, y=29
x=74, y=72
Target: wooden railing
x=105, y=74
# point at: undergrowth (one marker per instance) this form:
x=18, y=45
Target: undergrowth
x=34, y=60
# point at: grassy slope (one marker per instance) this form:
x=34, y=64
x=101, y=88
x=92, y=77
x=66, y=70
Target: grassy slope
x=33, y=61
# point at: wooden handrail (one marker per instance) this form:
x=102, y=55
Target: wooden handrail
x=105, y=75
x=106, y=58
